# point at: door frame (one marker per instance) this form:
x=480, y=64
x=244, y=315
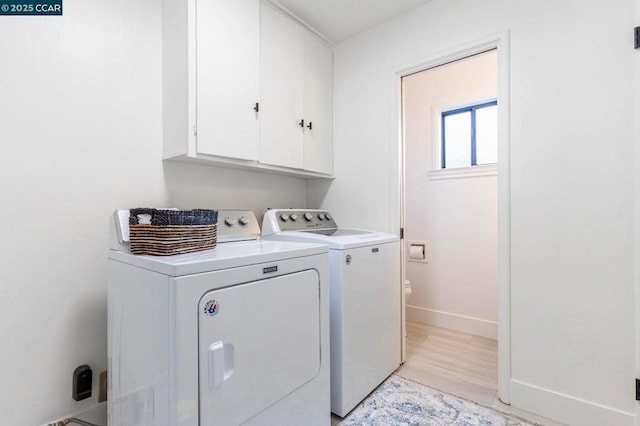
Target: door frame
x=499, y=42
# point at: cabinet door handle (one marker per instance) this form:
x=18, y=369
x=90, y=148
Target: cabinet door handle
x=257, y=107
x=301, y=123
x=310, y=126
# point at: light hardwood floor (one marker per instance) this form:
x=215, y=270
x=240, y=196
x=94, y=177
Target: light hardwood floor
x=452, y=361
x=457, y=363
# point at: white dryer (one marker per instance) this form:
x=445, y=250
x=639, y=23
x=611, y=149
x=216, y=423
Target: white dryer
x=365, y=292
x=234, y=335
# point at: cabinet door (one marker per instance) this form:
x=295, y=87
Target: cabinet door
x=281, y=85
x=227, y=67
x=318, y=105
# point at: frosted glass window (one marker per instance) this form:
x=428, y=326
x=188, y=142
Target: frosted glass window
x=487, y=135
x=457, y=134
x=470, y=136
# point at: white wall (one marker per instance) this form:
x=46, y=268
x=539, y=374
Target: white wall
x=572, y=182
x=80, y=133
x=455, y=216
x=192, y=186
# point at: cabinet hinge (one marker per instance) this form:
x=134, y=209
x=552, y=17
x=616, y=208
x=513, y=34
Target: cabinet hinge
x=195, y=131
x=637, y=389
x=401, y=233
x=636, y=36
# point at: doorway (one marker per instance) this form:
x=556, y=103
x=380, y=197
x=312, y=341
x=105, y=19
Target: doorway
x=449, y=161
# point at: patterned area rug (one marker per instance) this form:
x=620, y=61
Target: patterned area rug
x=400, y=402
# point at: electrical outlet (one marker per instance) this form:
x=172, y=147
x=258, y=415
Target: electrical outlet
x=82, y=380
x=102, y=387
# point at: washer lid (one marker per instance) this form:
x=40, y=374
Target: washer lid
x=336, y=239
x=337, y=232
x=224, y=256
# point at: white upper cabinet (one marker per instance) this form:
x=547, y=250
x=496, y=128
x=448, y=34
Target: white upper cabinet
x=227, y=77
x=318, y=105
x=281, y=85
x=245, y=86
x=296, y=86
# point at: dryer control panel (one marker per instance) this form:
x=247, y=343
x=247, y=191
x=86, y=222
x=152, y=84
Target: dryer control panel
x=237, y=225
x=280, y=220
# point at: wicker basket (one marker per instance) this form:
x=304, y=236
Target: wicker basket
x=167, y=232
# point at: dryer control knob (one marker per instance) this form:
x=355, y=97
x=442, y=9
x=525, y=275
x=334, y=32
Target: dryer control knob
x=326, y=216
x=308, y=216
x=294, y=217
x=243, y=221
x=229, y=222
x=321, y=216
x=284, y=217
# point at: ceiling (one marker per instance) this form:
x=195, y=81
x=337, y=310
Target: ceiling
x=341, y=19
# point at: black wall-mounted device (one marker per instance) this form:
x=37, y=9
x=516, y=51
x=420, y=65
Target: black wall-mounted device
x=82, y=381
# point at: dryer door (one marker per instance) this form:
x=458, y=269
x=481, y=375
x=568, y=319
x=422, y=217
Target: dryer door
x=258, y=342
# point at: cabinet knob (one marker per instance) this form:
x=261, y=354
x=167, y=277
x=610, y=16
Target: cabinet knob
x=310, y=126
x=301, y=123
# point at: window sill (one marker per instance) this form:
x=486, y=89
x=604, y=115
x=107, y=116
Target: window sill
x=464, y=172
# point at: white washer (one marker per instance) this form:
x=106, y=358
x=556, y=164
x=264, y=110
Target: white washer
x=234, y=335
x=365, y=292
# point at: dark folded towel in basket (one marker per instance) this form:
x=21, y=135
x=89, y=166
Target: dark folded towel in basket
x=174, y=217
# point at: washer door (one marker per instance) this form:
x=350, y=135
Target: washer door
x=258, y=342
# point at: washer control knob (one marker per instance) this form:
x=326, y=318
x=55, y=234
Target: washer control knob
x=326, y=216
x=284, y=217
x=308, y=216
x=321, y=216
x=229, y=222
x=294, y=217
x=243, y=221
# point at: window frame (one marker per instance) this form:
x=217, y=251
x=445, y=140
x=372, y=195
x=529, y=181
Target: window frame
x=471, y=109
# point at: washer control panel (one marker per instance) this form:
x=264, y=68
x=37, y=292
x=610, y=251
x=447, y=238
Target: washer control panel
x=297, y=220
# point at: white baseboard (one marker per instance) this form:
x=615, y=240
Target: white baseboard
x=95, y=414
x=565, y=408
x=475, y=326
